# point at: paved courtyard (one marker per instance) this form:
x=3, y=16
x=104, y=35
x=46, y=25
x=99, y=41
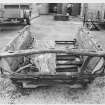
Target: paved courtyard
x=46, y=28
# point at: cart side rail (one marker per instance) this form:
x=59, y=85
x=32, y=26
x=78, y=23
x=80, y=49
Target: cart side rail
x=82, y=52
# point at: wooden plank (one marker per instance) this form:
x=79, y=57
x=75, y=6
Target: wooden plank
x=46, y=63
x=82, y=52
x=70, y=58
x=68, y=63
x=64, y=41
x=67, y=68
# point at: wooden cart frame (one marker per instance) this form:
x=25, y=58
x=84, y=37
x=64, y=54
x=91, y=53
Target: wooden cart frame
x=91, y=64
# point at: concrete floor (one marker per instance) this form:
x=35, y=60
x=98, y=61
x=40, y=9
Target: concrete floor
x=46, y=28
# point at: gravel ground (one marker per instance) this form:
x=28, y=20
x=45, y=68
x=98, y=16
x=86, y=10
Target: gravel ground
x=94, y=94
x=45, y=28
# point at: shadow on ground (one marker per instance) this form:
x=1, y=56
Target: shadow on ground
x=9, y=28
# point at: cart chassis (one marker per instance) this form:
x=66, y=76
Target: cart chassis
x=81, y=77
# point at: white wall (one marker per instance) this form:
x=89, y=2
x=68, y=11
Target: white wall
x=43, y=9
x=35, y=11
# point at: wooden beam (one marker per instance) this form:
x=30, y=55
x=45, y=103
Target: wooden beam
x=82, y=52
x=85, y=64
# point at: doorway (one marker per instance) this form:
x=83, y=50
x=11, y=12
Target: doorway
x=76, y=9
x=51, y=7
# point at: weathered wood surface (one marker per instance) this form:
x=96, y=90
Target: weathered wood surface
x=43, y=52
x=82, y=52
x=22, y=41
x=87, y=41
x=46, y=63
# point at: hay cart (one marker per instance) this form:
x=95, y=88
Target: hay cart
x=30, y=63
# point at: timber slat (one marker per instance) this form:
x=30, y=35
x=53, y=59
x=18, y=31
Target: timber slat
x=68, y=63
x=65, y=55
x=64, y=43
x=66, y=68
x=65, y=58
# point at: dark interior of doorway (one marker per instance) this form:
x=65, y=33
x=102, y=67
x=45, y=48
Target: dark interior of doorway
x=51, y=7
x=75, y=9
